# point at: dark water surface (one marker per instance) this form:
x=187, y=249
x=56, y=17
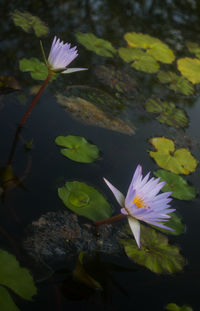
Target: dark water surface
x=130, y=286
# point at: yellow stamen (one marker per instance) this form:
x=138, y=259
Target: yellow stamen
x=139, y=202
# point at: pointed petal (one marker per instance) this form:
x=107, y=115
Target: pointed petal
x=70, y=70
x=135, y=228
x=118, y=195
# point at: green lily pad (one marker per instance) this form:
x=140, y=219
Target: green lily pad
x=174, y=307
x=77, y=148
x=6, y=301
x=176, y=83
x=29, y=22
x=168, y=113
x=194, y=48
x=155, y=253
x=37, y=69
x=16, y=278
x=142, y=61
x=175, y=223
x=177, y=184
x=153, y=46
x=95, y=44
x=179, y=162
x=84, y=200
x=190, y=68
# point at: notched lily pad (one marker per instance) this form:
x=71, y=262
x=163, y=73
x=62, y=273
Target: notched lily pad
x=179, y=162
x=37, y=69
x=84, y=200
x=194, y=48
x=168, y=113
x=84, y=110
x=155, y=253
x=29, y=22
x=190, y=69
x=95, y=44
x=177, y=185
x=174, y=307
x=176, y=83
x=153, y=46
x=77, y=148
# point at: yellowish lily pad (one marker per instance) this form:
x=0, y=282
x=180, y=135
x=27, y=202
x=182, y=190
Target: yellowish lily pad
x=190, y=69
x=194, y=48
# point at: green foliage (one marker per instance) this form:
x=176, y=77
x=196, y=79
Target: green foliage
x=153, y=46
x=179, y=162
x=77, y=148
x=155, y=253
x=176, y=83
x=177, y=185
x=84, y=200
x=6, y=302
x=168, y=113
x=174, y=307
x=175, y=223
x=37, y=69
x=190, y=69
x=29, y=22
x=194, y=48
x=95, y=44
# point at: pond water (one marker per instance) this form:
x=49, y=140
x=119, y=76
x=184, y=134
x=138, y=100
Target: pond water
x=107, y=105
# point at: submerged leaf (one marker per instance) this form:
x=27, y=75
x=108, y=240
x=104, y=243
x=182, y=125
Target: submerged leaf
x=174, y=307
x=8, y=84
x=190, y=68
x=6, y=301
x=168, y=113
x=179, y=162
x=194, y=48
x=77, y=148
x=84, y=200
x=176, y=83
x=177, y=185
x=155, y=253
x=37, y=69
x=95, y=44
x=28, y=22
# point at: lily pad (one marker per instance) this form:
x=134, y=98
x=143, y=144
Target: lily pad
x=29, y=22
x=16, y=278
x=153, y=46
x=194, y=48
x=179, y=162
x=141, y=60
x=190, y=68
x=175, y=223
x=95, y=44
x=168, y=113
x=84, y=200
x=6, y=302
x=177, y=185
x=37, y=69
x=155, y=253
x=77, y=148
x=176, y=83
x=174, y=307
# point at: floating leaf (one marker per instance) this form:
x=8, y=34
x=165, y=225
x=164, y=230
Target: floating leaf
x=84, y=200
x=194, y=48
x=6, y=302
x=84, y=110
x=142, y=61
x=175, y=223
x=177, y=185
x=190, y=69
x=37, y=69
x=179, y=162
x=176, y=83
x=155, y=253
x=77, y=148
x=28, y=22
x=8, y=84
x=153, y=46
x=82, y=275
x=174, y=307
x=168, y=113
x=95, y=44
x=14, y=277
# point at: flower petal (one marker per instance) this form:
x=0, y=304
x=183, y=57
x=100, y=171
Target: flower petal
x=118, y=195
x=70, y=70
x=135, y=228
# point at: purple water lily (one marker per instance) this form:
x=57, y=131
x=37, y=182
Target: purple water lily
x=61, y=55
x=143, y=202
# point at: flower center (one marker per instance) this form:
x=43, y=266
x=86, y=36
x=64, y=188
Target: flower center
x=139, y=202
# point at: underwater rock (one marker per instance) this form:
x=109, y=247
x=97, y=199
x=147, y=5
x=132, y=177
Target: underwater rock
x=85, y=111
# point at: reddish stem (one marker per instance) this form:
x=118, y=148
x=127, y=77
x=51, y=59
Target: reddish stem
x=30, y=108
x=109, y=220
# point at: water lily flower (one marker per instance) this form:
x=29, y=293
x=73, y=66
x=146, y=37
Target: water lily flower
x=143, y=203
x=61, y=55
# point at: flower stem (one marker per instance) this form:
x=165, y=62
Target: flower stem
x=30, y=108
x=109, y=220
